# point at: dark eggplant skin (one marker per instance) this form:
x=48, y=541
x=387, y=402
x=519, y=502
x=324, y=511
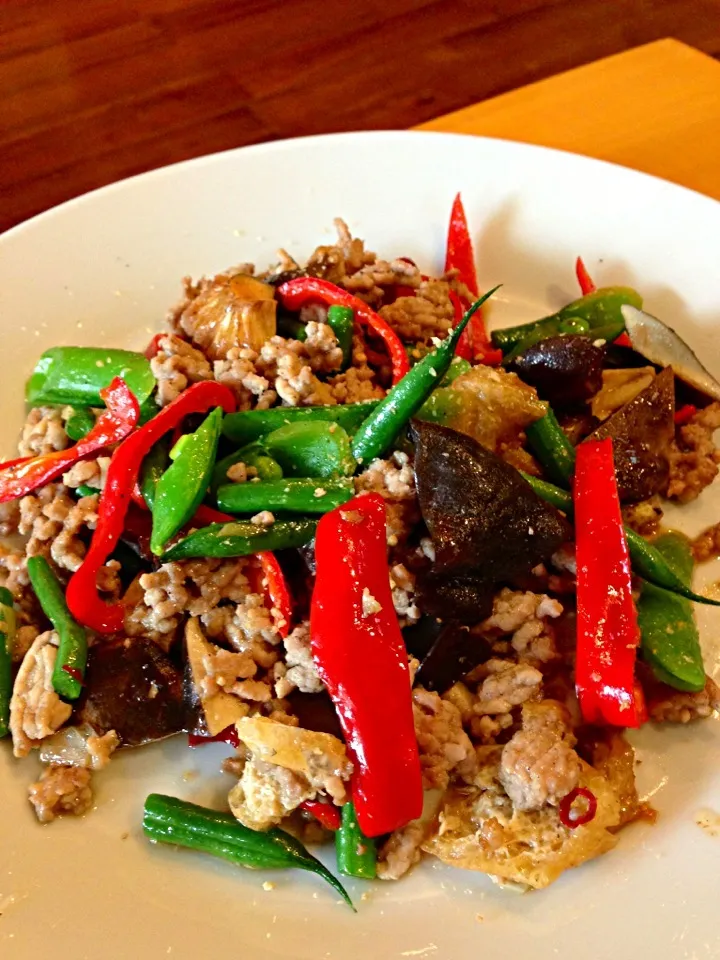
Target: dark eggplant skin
x=484, y=519
x=565, y=370
x=462, y=598
x=131, y=687
x=456, y=651
x=642, y=433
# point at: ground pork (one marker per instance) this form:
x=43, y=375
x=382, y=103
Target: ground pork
x=643, y=517
x=9, y=517
x=36, y=711
x=401, y=850
x=402, y=585
x=505, y=685
x=666, y=705
x=526, y=616
x=430, y=313
x=298, y=672
x=323, y=348
x=539, y=765
x=89, y=473
x=22, y=641
x=372, y=281
x=394, y=480
x=444, y=746
x=694, y=458
x=706, y=546
x=223, y=670
x=237, y=371
x=61, y=790
x=175, y=366
x=43, y=432
x=55, y=524
x=358, y=383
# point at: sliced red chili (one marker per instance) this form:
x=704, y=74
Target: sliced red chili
x=685, y=414
x=228, y=735
x=584, y=278
x=325, y=813
x=571, y=818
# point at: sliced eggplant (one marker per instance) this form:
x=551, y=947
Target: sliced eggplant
x=456, y=652
x=662, y=346
x=642, y=432
x=484, y=518
x=467, y=599
x=565, y=370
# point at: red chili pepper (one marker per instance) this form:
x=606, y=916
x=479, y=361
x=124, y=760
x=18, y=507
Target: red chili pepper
x=584, y=278
x=153, y=348
x=73, y=672
x=622, y=341
x=276, y=588
x=607, y=628
x=360, y=655
x=325, y=813
x=122, y=414
x=82, y=596
x=474, y=343
x=296, y=293
x=685, y=414
x=228, y=735
x=565, y=810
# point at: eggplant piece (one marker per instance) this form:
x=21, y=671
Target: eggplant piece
x=565, y=370
x=419, y=637
x=456, y=652
x=662, y=346
x=315, y=711
x=131, y=687
x=642, y=432
x=465, y=599
x=484, y=518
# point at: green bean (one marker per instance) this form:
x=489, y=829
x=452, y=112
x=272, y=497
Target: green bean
x=356, y=854
x=182, y=824
x=85, y=490
x=551, y=446
x=248, y=425
x=8, y=626
x=76, y=375
x=317, y=495
x=71, y=660
x=241, y=538
x=550, y=493
x=341, y=321
x=79, y=423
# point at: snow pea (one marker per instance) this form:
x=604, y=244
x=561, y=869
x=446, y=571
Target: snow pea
x=76, y=375
x=248, y=425
x=79, y=423
x=182, y=486
x=316, y=495
x=153, y=467
x=314, y=448
x=241, y=538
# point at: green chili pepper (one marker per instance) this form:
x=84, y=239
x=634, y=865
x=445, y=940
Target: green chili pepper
x=153, y=467
x=315, y=448
x=551, y=446
x=249, y=425
x=8, y=626
x=599, y=309
x=670, y=642
x=67, y=677
x=341, y=321
x=356, y=854
x=79, y=423
x=403, y=401
x=647, y=561
x=458, y=366
x=76, y=375
x=290, y=496
x=182, y=824
x=85, y=490
x=241, y=538
x=574, y=325
x=253, y=455
x=183, y=485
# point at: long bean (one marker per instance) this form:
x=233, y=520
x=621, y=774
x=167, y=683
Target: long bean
x=241, y=538
x=356, y=854
x=290, y=496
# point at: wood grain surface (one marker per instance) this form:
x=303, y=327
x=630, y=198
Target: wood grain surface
x=97, y=90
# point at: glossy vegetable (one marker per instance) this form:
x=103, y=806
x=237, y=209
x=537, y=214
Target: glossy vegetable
x=341, y=320
x=252, y=455
x=565, y=370
x=80, y=423
x=403, y=401
x=660, y=344
x=115, y=423
x=290, y=496
x=600, y=309
x=484, y=519
x=182, y=824
x=85, y=490
x=584, y=279
x=312, y=449
x=607, y=629
x=7, y=638
x=78, y=375
x=241, y=538
x=326, y=814
x=670, y=641
x=248, y=425
x=69, y=670
x=352, y=610
x=182, y=486
x=153, y=467
x=356, y=853
x=456, y=651
x=548, y=442
x=642, y=432
x=82, y=594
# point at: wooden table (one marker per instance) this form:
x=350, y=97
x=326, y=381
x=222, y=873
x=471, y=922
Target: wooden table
x=655, y=108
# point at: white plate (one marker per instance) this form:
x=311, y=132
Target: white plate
x=103, y=269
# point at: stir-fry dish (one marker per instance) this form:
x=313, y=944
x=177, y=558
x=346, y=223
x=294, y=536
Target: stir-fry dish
x=413, y=576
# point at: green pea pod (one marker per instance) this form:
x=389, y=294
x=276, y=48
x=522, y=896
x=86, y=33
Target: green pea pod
x=182, y=824
x=317, y=495
x=549, y=443
x=241, y=538
x=183, y=485
x=148, y=409
x=602, y=308
x=249, y=425
x=80, y=423
x=670, y=642
x=154, y=465
x=647, y=561
x=442, y=406
x=253, y=455
x=341, y=321
x=312, y=449
x=377, y=434
x=356, y=854
x=8, y=626
x=76, y=375
x=85, y=490
x=71, y=660
x=458, y=366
